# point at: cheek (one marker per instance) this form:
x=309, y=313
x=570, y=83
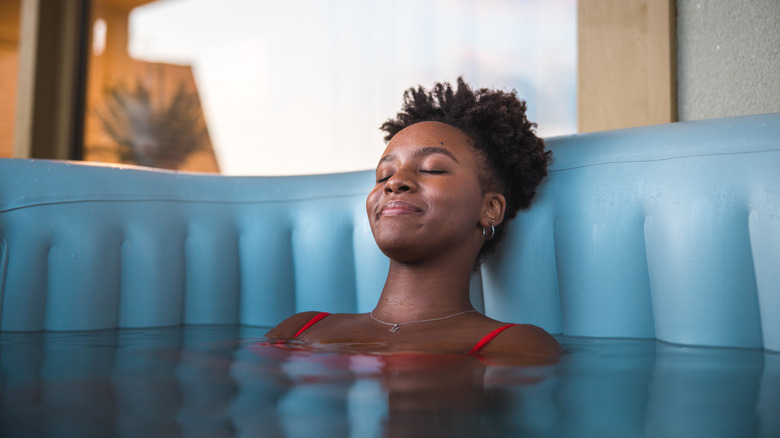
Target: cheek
x=371, y=202
x=458, y=203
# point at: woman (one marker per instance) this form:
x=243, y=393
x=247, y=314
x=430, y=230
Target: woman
x=459, y=163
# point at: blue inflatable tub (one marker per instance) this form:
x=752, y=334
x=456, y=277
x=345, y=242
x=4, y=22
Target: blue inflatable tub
x=133, y=301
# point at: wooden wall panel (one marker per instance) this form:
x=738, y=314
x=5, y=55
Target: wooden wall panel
x=9, y=70
x=9, y=66
x=626, y=63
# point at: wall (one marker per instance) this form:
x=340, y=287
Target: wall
x=728, y=58
x=625, y=65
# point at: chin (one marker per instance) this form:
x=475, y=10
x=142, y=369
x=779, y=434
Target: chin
x=403, y=252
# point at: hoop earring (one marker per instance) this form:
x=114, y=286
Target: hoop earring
x=492, y=232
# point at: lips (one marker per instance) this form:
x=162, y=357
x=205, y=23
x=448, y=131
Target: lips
x=397, y=208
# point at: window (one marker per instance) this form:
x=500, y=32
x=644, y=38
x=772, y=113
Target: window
x=279, y=88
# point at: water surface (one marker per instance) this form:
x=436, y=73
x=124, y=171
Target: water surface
x=220, y=381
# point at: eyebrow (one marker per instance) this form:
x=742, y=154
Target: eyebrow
x=424, y=152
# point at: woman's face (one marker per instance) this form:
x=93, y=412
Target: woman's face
x=427, y=198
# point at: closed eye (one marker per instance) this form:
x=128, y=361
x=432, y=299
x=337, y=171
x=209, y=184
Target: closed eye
x=428, y=171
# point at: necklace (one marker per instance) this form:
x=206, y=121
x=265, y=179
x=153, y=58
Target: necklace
x=397, y=326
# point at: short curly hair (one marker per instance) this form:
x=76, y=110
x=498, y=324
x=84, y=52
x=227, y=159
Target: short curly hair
x=515, y=159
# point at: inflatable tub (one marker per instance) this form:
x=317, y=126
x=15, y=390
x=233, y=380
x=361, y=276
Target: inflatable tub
x=132, y=300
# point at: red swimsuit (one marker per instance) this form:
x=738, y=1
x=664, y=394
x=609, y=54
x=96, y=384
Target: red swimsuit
x=474, y=350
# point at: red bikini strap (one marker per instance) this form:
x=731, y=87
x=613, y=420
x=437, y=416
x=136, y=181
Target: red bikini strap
x=311, y=322
x=484, y=341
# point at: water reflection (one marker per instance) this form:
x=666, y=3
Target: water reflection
x=222, y=381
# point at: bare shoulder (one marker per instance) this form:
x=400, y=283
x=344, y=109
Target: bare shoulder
x=287, y=328
x=526, y=339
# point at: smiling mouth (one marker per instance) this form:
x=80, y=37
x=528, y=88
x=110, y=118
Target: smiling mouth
x=397, y=208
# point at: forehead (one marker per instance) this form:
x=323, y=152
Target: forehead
x=430, y=137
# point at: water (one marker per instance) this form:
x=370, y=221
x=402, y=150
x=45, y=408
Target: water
x=215, y=381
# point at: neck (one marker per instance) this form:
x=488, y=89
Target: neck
x=414, y=292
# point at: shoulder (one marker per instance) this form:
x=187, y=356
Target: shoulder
x=287, y=328
x=525, y=339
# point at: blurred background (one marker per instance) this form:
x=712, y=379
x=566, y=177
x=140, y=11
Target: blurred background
x=257, y=87
x=303, y=86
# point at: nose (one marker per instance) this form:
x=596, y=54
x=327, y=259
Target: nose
x=401, y=181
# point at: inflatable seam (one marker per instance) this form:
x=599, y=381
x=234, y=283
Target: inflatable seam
x=118, y=199
x=122, y=293
x=653, y=310
x=762, y=311
x=44, y=309
x=186, y=285
x=353, y=263
x=756, y=294
x=655, y=160
x=239, y=286
x=555, y=233
x=3, y=272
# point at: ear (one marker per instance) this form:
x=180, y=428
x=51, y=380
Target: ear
x=493, y=208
